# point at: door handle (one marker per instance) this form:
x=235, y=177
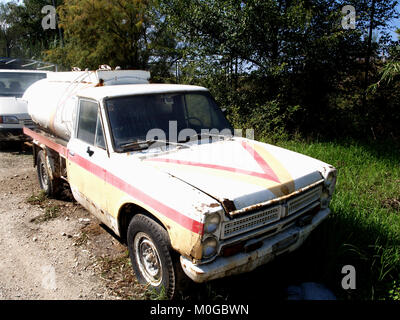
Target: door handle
x=89, y=152
x=71, y=153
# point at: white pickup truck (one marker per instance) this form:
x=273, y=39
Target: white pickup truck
x=158, y=164
x=13, y=112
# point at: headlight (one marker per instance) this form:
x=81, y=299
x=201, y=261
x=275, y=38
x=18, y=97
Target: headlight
x=212, y=222
x=210, y=247
x=9, y=120
x=330, y=181
x=325, y=198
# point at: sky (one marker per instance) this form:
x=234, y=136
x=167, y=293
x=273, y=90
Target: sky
x=396, y=25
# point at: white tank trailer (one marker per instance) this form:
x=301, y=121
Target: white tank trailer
x=52, y=101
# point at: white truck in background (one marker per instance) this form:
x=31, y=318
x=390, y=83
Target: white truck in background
x=13, y=112
x=158, y=164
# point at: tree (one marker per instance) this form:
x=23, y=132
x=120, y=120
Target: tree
x=21, y=28
x=391, y=69
x=125, y=33
x=5, y=34
x=279, y=53
x=373, y=15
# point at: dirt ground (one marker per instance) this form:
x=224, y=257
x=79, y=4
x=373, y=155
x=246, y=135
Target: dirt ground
x=54, y=249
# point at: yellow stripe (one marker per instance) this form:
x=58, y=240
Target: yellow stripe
x=283, y=175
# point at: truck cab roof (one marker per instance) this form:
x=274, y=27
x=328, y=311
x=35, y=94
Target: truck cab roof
x=100, y=93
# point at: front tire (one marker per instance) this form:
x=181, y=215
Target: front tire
x=150, y=253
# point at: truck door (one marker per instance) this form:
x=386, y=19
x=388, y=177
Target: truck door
x=87, y=158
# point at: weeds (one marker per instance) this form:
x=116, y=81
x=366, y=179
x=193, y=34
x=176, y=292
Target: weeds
x=119, y=277
x=364, y=227
x=49, y=214
x=37, y=199
x=153, y=294
x=394, y=293
x=51, y=211
x=82, y=239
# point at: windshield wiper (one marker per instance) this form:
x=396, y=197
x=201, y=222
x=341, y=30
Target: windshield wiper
x=199, y=135
x=137, y=145
x=143, y=145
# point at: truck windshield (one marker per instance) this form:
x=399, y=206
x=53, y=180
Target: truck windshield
x=14, y=84
x=132, y=118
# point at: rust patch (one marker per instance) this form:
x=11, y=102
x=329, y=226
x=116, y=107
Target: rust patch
x=228, y=205
x=203, y=207
x=285, y=190
x=196, y=252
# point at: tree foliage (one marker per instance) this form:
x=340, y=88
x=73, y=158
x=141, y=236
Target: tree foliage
x=22, y=34
x=286, y=62
x=280, y=66
x=124, y=33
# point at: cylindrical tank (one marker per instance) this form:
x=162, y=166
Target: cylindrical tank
x=52, y=105
x=52, y=102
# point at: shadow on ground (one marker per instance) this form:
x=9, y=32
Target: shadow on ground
x=15, y=147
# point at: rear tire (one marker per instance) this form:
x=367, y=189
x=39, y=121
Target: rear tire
x=50, y=186
x=151, y=255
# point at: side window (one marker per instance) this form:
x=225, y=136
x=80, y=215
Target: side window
x=198, y=110
x=99, y=135
x=89, y=124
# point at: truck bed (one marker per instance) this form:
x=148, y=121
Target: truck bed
x=39, y=135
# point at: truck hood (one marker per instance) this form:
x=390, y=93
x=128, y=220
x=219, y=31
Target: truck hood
x=14, y=106
x=243, y=171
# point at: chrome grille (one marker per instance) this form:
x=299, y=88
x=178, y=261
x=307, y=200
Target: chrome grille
x=250, y=222
x=270, y=215
x=304, y=200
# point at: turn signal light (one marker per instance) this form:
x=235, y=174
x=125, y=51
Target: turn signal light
x=232, y=249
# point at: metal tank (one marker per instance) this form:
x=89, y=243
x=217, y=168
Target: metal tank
x=52, y=101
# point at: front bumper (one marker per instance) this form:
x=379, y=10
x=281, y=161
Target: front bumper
x=286, y=241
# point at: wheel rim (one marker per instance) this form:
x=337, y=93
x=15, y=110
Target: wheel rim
x=148, y=259
x=43, y=176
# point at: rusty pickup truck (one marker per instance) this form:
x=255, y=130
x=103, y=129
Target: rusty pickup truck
x=160, y=166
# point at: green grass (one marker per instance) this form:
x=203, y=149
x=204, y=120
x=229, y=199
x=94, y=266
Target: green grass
x=37, y=199
x=363, y=231
x=364, y=227
x=50, y=213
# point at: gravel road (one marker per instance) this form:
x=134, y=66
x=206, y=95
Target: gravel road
x=53, y=249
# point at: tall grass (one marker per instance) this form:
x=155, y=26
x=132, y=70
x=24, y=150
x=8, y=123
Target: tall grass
x=364, y=228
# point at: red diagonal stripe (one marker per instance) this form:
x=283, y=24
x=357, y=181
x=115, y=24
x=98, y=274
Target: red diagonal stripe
x=268, y=174
x=261, y=162
x=212, y=166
